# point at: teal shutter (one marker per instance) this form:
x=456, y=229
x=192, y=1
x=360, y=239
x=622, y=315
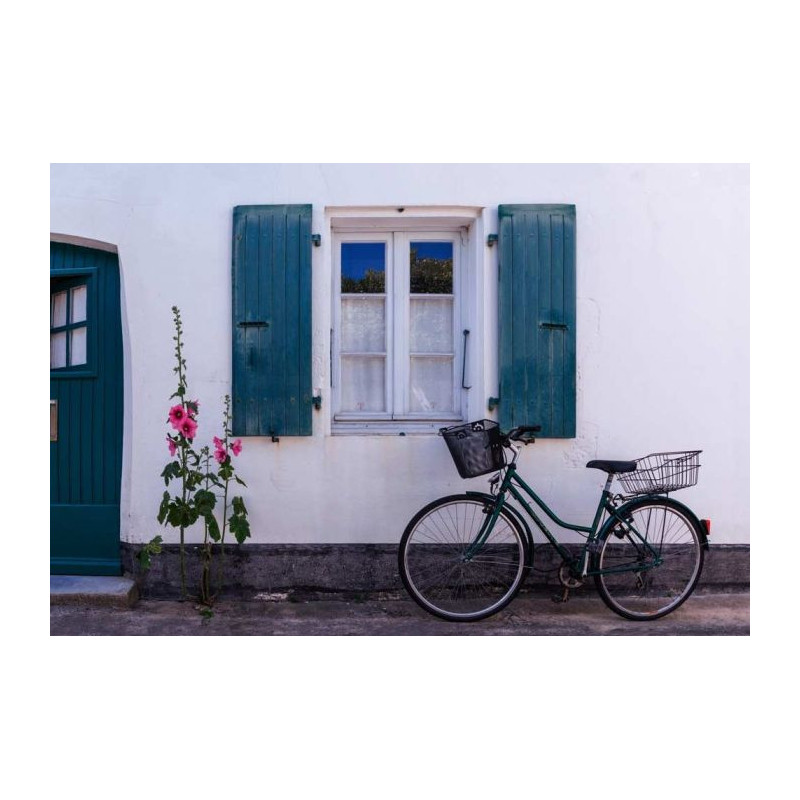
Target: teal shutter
x=272, y=320
x=537, y=318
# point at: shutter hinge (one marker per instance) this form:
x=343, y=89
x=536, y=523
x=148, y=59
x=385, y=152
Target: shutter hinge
x=316, y=239
x=493, y=403
x=316, y=401
x=491, y=239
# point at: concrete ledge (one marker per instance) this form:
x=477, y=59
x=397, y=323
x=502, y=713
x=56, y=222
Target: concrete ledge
x=253, y=569
x=92, y=590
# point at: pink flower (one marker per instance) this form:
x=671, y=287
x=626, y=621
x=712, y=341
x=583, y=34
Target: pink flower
x=188, y=428
x=236, y=446
x=220, y=455
x=218, y=443
x=171, y=446
x=177, y=414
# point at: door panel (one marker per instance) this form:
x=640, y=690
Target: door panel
x=86, y=455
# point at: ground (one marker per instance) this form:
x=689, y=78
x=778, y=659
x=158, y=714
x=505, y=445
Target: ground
x=532, y=615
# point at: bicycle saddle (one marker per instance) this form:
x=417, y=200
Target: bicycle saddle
x=613, y=467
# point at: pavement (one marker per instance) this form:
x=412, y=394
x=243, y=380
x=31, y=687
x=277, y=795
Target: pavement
x=530, y=614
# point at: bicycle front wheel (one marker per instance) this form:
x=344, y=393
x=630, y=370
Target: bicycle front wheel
x=447, y=574
x=650, y=565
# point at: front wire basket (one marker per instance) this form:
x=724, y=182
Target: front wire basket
x=475, y=447
x=662, y=472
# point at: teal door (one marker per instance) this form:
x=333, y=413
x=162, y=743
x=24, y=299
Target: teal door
x=86, y=418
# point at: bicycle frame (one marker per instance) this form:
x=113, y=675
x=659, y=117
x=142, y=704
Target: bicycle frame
x=512, y=483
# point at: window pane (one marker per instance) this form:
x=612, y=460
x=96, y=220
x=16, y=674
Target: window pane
x=58, y=350
x=431, y=267
x=431, y=323
x=363, y=325
x=78, y=311
x=77, y=346
x=58, y=309
x=363, y=267
x=431, y=384
x=363, y=383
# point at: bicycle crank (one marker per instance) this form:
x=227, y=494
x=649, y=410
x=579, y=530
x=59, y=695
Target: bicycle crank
x=568, y=581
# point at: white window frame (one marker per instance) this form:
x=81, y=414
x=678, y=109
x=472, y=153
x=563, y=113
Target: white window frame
x=398, y=233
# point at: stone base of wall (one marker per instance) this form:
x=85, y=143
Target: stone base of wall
x=303, y=569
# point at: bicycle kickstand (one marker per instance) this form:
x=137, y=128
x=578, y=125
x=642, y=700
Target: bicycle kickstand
x=563, y=597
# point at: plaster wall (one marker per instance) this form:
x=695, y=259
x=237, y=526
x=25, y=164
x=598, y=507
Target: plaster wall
x=662, y=347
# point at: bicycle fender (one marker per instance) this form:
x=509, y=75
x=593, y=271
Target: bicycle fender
x=491, y=499
x=684, y=509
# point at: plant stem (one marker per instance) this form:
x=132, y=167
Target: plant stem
x=183, y=549
x=205, y=582
x=226, y=417
x=184, y=443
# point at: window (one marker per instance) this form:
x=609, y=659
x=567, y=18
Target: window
x=68, y=323
x=397, y=331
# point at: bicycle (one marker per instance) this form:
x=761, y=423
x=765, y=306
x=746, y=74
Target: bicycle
x=464, y=557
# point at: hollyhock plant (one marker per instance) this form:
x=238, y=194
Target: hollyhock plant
x=199, y=482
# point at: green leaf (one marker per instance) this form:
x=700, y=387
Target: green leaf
x=240, y=528
x=226, y=471
x=181, y=514
x=238, y=506
x=204, y=502
x=163, y=508
x=239, y=480
x=213, y=527
x=153, y=547
x=172, y=470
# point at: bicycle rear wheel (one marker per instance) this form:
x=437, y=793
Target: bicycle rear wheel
x=651, y=571
x=444, y=576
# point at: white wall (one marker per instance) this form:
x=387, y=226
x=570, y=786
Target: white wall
x=663, y=331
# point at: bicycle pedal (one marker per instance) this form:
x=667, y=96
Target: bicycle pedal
x=561, y=598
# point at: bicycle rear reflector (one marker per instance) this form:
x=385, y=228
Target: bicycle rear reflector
x=707, y=526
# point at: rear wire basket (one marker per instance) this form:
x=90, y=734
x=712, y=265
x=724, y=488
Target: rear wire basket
x=475, y=447
x=662, y=472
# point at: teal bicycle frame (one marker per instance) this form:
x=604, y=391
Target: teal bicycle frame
x=512, y=483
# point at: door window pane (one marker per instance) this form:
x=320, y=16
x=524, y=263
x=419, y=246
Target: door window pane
x=78, y=304
x=431, y=384
x=58, y=309
x=77, y=346
x=363, y=383
x=363, y=325
x=431, y=268
x=58, y=350
x=431, y=325
x=363, y=267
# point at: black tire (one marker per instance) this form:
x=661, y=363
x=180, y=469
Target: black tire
x=443, y=578
x=674, y=534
